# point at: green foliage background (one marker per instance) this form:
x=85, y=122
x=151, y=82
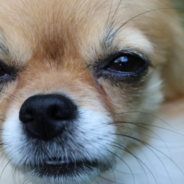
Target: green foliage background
x=179, y=4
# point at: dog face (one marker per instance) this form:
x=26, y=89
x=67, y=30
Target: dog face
x=74, y=74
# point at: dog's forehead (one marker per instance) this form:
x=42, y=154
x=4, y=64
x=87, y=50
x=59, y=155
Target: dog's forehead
x=47, y=27
x=60, y=27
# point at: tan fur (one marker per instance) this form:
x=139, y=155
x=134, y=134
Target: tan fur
x=53, y=43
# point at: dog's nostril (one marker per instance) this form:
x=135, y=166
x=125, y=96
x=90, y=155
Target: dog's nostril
x=58, y=113
x=45, y=116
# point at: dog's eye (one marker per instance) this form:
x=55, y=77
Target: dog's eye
x=3, y=73
x=126, y=63
x=7, y=73
x=5, y=76
x=123, y=67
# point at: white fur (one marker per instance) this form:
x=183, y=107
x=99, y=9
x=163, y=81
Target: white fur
x=93, y=129
x=170, y=145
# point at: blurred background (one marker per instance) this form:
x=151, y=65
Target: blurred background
x=180, y=5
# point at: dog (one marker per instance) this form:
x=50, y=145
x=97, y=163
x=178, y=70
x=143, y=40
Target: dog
x=81, y=82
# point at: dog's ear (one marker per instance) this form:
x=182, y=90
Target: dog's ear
x=173, y=70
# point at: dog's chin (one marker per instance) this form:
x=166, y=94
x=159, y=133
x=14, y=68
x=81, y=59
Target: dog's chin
x=57, y=171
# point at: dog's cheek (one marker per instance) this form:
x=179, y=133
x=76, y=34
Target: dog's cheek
x=121, y=101
x=7, y=97
x=130, y=104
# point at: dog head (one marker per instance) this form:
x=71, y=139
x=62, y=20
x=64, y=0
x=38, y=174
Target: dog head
x=75, y=77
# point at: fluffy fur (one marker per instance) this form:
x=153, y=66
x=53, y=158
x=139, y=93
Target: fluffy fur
x=57, y=46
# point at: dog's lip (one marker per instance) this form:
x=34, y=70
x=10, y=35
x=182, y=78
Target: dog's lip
x=61, y=167
x=55, y=163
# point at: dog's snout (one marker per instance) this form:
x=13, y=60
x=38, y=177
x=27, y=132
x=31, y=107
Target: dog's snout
x=45, y=116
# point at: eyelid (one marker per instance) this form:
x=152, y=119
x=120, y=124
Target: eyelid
x=9, y=69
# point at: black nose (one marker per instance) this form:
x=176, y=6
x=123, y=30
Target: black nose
x=45, y=116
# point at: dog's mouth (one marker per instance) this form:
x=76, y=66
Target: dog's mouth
x=61, y=167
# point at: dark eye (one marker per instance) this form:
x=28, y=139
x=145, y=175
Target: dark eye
x=7, y=73
x=126, y=63
x=123, y=67
x=3, y=73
